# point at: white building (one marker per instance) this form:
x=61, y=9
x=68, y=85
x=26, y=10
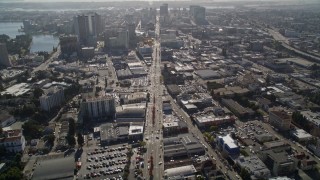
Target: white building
x=300, y=135
x=51, y=98
x=183, y=172
x=98, y=107
x=13, y=141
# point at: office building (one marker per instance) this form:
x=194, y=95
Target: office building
x=98, y=107
x=198, y=13
x=4, y=57
x=88, y=27
x=117, y=39
x=164, y=11
x=68, y=44
x=52, y=97
x=13, y=141
x=280, y=119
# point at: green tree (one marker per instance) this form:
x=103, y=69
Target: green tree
x=80, y=139
x=213, y=128
x=142, y=143
x=71, y=140
x=37, y=92
x=50, y=139
x=72, y=127
x=13, y=173
x=245, y=174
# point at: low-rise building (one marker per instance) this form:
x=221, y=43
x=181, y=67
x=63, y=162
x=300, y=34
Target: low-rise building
x=300, y=135
x=256, y=168
x=183, y=172
x=111, y=133
x=280, y=119
x=131, y=113
x=208, y=120
x=236, y=108
x=279, y=162
x=228, y=145
x=13, y=141
x=137, y=97
x=183, y=145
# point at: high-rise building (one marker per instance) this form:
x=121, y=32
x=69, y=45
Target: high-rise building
x=164, y=10
x=198, y=13
x=68, y=44
x=88, y=27
x=99, y=107
x=52, y=98
x=4, y=57
x=117, y=39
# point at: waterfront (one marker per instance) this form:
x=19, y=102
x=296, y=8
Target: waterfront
x=39, y=42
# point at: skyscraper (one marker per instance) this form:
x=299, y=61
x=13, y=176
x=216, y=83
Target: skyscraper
x=88, y=27
x=198, y=13
x=164, y=10
x=4, y=57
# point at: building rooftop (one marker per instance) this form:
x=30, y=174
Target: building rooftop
x=208, y=74
x=301, y=134
x=17, y=90
x=313, y=117
x=229, y=141
x=254, y=165
x=135, y=129
x=180, y=171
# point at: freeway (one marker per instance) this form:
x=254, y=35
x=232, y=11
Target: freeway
x=153, y=131
x=285, y=43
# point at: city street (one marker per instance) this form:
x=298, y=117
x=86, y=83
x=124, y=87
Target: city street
x=153, y=134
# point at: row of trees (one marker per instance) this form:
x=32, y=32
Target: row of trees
x=71, y=134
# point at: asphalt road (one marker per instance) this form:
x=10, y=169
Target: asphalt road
x=44, y=66
x=153, y=131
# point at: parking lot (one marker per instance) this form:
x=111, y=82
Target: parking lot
x=104, y=163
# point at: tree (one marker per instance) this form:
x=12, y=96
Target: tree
x=245, y=174
x=142, y=143
x=13, y=173
x=71, y=140
x=72, y=127
x=37, y=92
x=50, y=139
x=213, y=128
x=80, y=139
